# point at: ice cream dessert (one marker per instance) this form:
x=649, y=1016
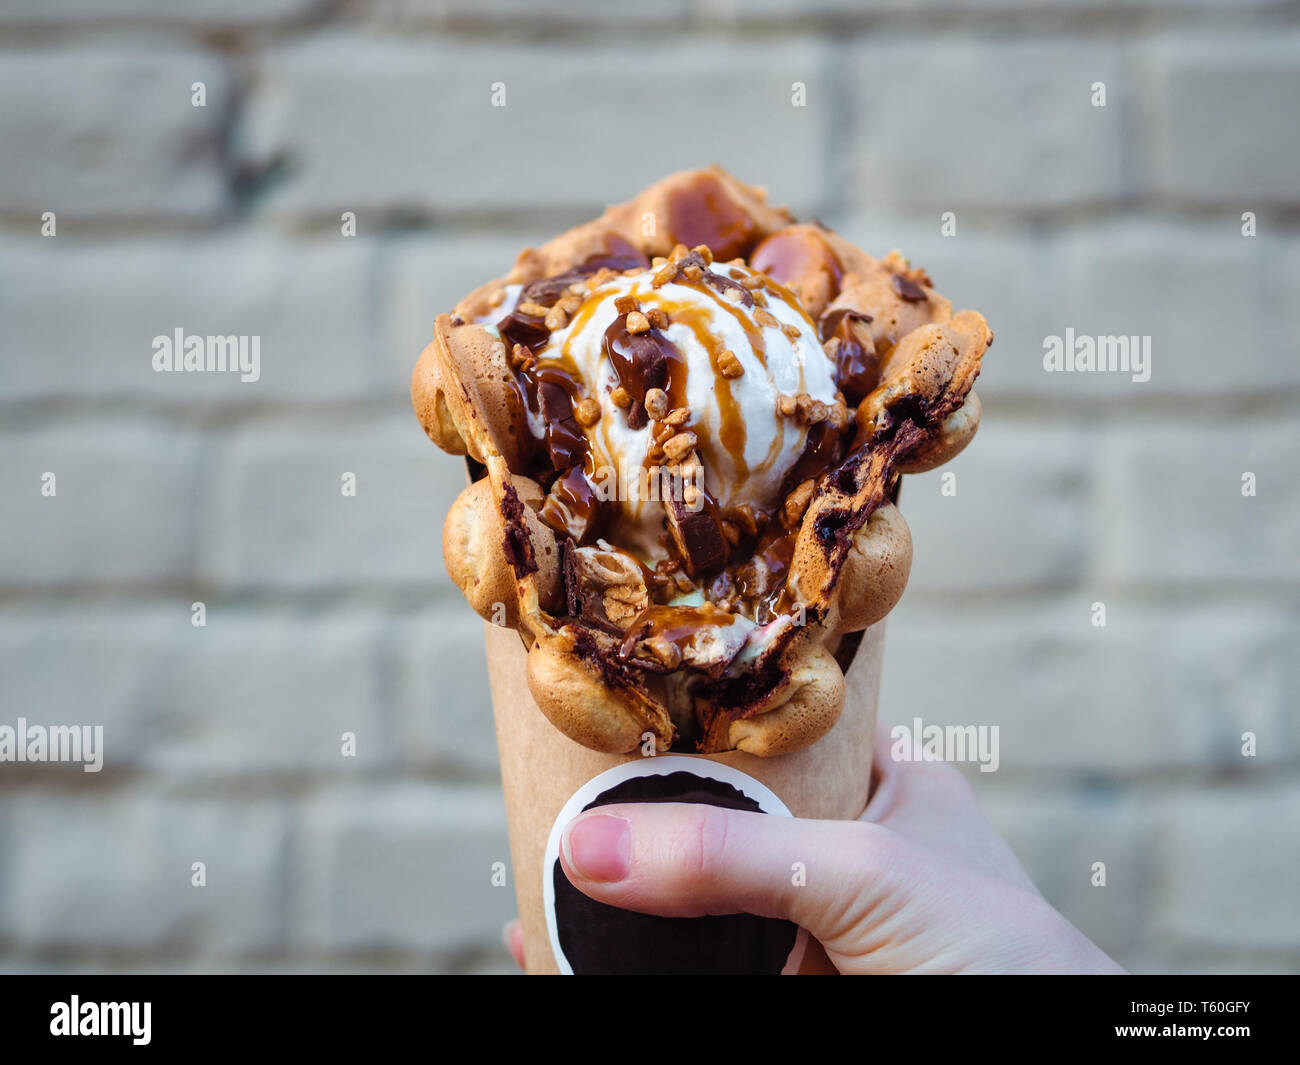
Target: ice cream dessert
x=715, y=345
x=686, y=437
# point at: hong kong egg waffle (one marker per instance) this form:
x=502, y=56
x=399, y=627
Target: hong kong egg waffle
x=607, y=663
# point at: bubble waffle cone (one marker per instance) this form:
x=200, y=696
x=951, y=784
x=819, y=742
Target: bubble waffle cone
x=612, y=655
x=776, y=381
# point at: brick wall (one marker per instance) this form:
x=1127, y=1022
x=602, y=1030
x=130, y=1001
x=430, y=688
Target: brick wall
x=328, y=614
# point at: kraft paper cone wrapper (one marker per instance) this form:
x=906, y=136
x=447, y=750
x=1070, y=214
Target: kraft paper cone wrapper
x=541, y=769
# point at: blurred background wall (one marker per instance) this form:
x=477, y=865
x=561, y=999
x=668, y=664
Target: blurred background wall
x=329, y=614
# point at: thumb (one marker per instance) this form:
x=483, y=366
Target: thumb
x=876, y=901
x=693, y=860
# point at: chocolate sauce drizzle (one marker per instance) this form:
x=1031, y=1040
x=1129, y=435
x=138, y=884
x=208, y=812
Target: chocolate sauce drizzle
x=749, y=574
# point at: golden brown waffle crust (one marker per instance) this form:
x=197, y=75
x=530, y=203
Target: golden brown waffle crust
x=852, y=550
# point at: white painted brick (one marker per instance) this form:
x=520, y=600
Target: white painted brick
x=79, y=318
x=969, y=123
x=442, y=709
x=366, y=124
x=111, y=131
x=1229, y=860
x=90, y=665
x=276, y=518
x=403, y=867
x=92, y=872
x=267, y=692
x=1219, y=308
x=727, y=11
x=1154, y=690
x=123, y=512
x=1018, y=517
x=194, y=13
x=400, y=13
x=1220, y=130
x=1172, y=503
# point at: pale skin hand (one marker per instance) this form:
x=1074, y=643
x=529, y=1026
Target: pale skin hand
x=921, y=883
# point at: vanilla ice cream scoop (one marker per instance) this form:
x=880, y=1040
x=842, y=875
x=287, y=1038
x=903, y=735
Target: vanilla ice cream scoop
x=724, y=343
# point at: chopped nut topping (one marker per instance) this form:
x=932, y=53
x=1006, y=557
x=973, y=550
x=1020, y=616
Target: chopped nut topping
x=691, y=466
x=620, y=397
x=657, y=317
x=737, y=261
x=587, y=412
x=786, y=405
x=702, y=250
x=760, y=299
x=578, y=288
x=626, y=304
x=667, y=652
x=751, y=282
x=656, y=402
x=690, y=494
x=570, y=303
x=534, y=309
x=677, y=416
x=731, y=531
x=791, y=331
x=743, y=518
x=693, y=272
x=831, y=347
x=797, y=502
x=602, y=276
x=680, y=445
x=662, y=432
x=556, y=318
x=729, y=366
x=521, y=358
x=733, y=295
x=665, y=274
x=803, y=404
x=763, y=317
x=658, y=261
x=638, y=323
x=680, y=251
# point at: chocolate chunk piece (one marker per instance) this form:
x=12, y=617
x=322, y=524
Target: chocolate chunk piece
x=526, y=329
x=641, y=361
x=603, y=586
x=696, y=533
x=857, y=366
x=585, y=601
x=909, y=290
x=721, y=283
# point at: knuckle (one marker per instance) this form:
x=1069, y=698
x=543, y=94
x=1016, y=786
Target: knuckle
x=700, y=841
